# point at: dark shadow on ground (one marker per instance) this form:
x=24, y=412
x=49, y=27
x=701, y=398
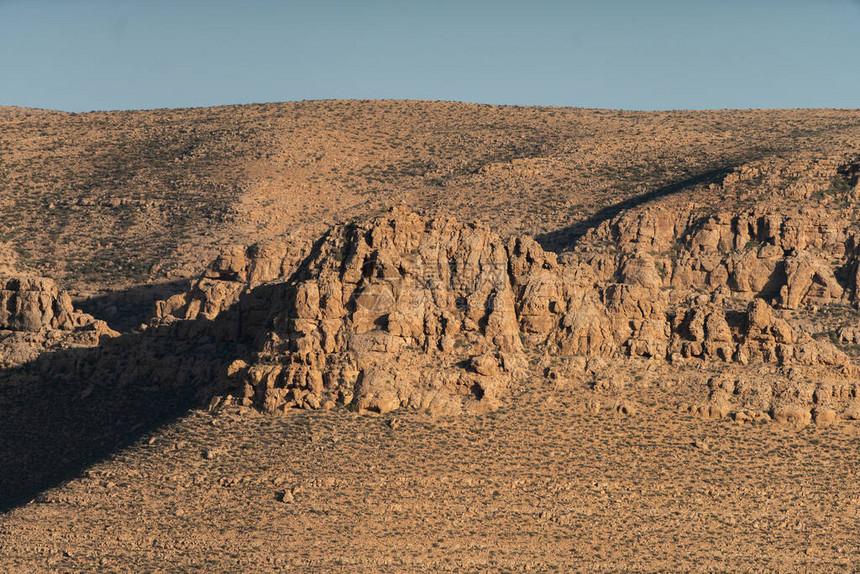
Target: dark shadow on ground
x=126, y=309
x=69, y=409
x=52, y=430
x=566, y=238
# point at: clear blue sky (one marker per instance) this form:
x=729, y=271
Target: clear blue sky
x=81, y=55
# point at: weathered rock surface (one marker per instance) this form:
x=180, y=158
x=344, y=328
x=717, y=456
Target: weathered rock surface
x=234, y=272
x=405, y=311
x=754, y=254
x=398, y=312
x=35, y=315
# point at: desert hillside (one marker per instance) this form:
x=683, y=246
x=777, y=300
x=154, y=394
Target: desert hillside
x=109, y=199
x=397, y=335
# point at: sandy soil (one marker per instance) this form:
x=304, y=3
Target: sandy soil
x=539, y=485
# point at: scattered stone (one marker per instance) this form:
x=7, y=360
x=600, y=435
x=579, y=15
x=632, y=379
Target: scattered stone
x=626, y=408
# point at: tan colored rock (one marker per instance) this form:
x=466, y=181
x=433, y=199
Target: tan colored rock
x=38, y=316
x=232, y=274
x=759, y=316
x=411, y=296
x=626, y=408
x=641, y=270
x=404, y=311
x=32, y=304
x=486, y=365
x=377, y=392
x=824, y=416
x=751, y=272
x=809, y=280
x=792, y=415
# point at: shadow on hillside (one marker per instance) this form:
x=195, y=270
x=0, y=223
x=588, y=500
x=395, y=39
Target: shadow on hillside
x=567, y=237
x=52, y=430
x=69, y=409
x=125, y=310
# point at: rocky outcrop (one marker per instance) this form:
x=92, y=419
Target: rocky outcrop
x=755, y=336
x=35, y=303
x=35, y=315
x=405, y=311
x=808, y=279
x=796, y=261
x=398, y=312
x=234, y=272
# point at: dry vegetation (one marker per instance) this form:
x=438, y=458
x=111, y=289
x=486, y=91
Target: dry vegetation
x=541, y=486
x=647, y=456
x=112, y=198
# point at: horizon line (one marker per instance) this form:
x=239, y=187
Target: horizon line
x=425, y=101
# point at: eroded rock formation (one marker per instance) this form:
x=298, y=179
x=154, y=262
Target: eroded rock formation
x=406, y=311
x=35, y=315
x=401, y=311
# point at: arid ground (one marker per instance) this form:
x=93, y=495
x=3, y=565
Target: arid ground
x=427, y=336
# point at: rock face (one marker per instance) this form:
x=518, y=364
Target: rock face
x=233, y=273
x=793, y=261
x=35, y=303
x=35, y=315
x=405, y=311
x=398, y=312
